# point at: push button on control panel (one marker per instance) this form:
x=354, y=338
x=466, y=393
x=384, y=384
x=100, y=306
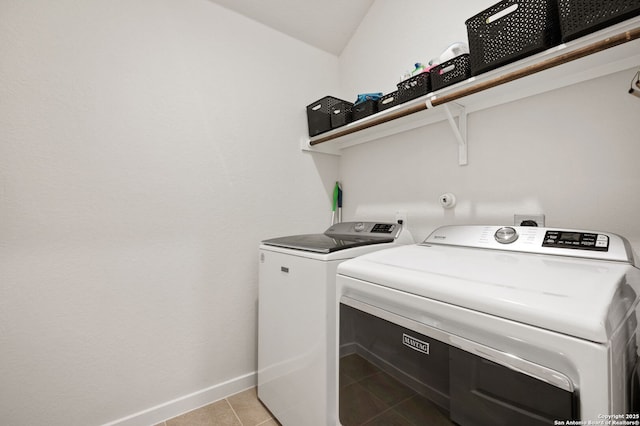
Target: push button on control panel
x=576, y=240
x=602, y=241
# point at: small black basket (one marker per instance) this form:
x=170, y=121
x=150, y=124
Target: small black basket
x=319, y=115
x=387, y=101
x=364, y=109
x=511, y=30
x=341, y=114
x=581, y=17
x=414, y=87
x=450, y=72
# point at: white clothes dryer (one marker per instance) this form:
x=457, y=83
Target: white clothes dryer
x=296, y=316
x=487, y=325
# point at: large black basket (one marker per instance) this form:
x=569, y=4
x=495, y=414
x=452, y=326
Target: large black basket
x=364, y=109
x=341, y=114
x=414, y=87
x=450, y=72
x=319, y=115
x=581, y=17
x=511, y=30
x=387, y=101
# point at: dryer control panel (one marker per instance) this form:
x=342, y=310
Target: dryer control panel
x=576, y=240
x=529, y=239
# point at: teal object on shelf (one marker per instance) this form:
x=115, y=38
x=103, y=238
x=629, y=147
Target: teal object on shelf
x=363, y=97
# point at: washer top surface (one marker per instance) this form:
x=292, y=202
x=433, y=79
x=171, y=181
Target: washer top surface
x=569, y=288
x=341, y=236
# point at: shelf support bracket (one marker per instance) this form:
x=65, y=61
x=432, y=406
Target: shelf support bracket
x=459, y=129
x=306, y=146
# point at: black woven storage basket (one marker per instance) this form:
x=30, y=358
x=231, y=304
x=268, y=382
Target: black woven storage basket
x=341, y=114
x=581, y=17
x=387, y=101
x=528, y=27
x=364, y=109
x=319, y=115
x=450, y=72
x=414, y=87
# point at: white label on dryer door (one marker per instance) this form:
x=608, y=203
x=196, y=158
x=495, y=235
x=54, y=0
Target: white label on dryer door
x=415, y=344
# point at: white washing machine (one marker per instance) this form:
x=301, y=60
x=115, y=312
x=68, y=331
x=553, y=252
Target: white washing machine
x=486, y=325
x=296, y=316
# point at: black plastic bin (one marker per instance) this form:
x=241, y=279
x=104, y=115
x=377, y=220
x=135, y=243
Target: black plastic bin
x=364, y=109
x=581, y=17
x=414, y=87
x=387, y=101
x=511, y=30
x=341, y=114
x=319, y=114
x=450, y=72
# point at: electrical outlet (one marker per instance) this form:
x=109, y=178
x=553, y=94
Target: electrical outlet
x=401, y=215
x=518, y=219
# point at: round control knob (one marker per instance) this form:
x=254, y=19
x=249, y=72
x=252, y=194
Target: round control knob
x=359, y=227
x=506, y=235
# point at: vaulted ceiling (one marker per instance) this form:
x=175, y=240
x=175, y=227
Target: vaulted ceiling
x=325, y=24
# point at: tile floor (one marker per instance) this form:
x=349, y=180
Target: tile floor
x=241, y=409
x=376, y=399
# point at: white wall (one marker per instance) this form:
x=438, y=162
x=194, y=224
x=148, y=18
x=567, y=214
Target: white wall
x=571, y=154
x=396, y=34
x=146, y=148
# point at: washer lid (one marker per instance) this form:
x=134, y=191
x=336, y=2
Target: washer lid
x=340, y=236
x=321, y=243
x=580, y=297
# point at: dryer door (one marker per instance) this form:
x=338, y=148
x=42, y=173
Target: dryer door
x=394, y=370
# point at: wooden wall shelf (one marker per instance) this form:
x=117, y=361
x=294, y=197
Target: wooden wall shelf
x=610, y=50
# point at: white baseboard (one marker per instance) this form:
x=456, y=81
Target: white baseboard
x=170, y=409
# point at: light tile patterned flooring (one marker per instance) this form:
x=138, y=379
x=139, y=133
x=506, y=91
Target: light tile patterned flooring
x=241, y=409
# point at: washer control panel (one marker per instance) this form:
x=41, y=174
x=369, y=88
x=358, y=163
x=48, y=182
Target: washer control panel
x=576, y=240
x=364, y=230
